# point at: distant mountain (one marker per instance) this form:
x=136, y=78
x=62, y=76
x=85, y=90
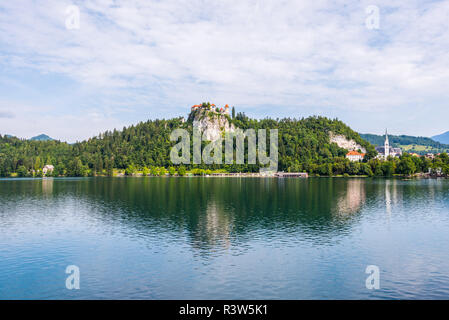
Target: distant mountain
x=411, y=144
x=443, y=138
x=41, y=137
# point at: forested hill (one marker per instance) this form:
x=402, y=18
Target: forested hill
x=408, y=143
x=304, y=145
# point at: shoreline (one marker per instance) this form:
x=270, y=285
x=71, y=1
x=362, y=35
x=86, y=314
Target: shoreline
x=240, y=175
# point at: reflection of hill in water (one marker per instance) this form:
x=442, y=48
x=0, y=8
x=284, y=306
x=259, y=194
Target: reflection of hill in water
x=218, y=212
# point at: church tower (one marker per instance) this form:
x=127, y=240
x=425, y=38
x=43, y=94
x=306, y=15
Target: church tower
x=387, y=145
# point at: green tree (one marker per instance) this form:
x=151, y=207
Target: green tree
x=365, y=168
x=406, y=165
x=354, y=168
x=76, y=168
x=109, y=168
x=58, y=170
x=130, y=170
x=388, y=168
x=325, y=169
x=162, y=171
x=154, y=171
x=22, y=171
x=37, y=164
x=182, y=171
x=172, y=171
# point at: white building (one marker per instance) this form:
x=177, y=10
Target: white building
x=386, y=150
x=355, y=156
x=48, y=168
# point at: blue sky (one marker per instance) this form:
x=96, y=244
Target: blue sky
x=130, y=61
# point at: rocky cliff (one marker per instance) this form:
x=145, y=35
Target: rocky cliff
x=211, y=123
x=345, y=143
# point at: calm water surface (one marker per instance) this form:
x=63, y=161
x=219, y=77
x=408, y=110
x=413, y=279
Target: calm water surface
x=224, y=238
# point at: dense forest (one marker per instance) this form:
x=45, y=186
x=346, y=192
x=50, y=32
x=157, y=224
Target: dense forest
x=304, y=145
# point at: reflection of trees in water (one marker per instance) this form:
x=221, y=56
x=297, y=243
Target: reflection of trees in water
x=388, y=193
x=214, y=228
x=214, y=212
x=226, y=212
x=217, y=212
x=394, y=194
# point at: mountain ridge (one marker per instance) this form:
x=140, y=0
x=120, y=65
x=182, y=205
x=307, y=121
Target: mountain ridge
x=442, y=138
x=410, y=144
x=41, y=137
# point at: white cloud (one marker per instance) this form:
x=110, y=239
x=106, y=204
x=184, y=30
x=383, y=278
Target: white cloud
x=6, y=114
x=297, y=54
x=35, y=120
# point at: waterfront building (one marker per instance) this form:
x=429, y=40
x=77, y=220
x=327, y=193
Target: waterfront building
x=355, y=156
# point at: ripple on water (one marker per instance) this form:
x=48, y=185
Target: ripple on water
x=224, y=238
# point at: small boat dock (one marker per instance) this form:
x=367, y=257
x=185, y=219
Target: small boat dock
x=292, y=174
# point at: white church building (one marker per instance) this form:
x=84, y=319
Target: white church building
x=386, y=150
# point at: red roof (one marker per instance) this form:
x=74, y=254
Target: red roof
x=355, y=153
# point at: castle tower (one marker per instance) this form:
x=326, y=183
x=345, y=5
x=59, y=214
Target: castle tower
x=387, y=145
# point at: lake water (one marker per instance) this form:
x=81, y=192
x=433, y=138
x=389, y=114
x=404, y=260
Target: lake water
x=224, y=238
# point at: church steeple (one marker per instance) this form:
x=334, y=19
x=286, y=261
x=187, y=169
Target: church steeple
x=387, y=145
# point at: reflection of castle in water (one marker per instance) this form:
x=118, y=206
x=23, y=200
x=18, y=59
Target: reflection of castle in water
x=47, y=186
x=214, y=227
x=353, y=197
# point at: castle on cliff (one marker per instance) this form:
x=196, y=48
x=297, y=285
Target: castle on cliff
x=212, y=108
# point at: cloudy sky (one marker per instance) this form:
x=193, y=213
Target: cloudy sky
x=129, y=61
